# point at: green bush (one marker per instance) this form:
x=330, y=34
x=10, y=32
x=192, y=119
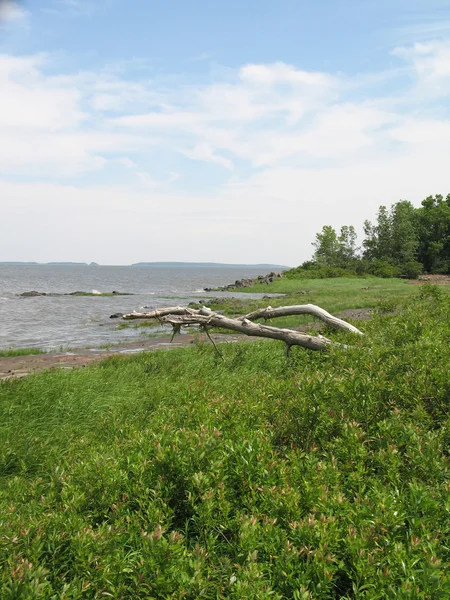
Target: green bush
x=174, y=475
x=319, y=272
x=412, y=270
x=385, y=269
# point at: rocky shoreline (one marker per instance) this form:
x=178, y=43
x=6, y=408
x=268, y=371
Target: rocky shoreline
x=242, y=283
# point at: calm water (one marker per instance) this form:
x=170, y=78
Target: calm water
x=76, y=322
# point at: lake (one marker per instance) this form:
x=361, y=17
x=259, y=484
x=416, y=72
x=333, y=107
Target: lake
x=59, y=322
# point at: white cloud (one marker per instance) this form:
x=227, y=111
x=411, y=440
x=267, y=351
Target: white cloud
x=126, y=162
x=298, y=149
x=204, y=152
x=426, y=133
x=431, y=64
x=45, y=126
x=11, y=11
x=31, y=102
x=280, y=73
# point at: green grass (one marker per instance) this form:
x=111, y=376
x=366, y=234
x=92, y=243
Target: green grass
x=334, y=295
x=341, y=293
x=20, y=352
x=177, y=475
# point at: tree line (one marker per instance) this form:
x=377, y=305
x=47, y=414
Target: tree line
x=405, y=241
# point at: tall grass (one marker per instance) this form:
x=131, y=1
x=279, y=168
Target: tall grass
x=20, y=352
x=175, y=475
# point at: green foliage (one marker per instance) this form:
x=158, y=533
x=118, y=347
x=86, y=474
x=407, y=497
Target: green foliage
x=384, y=268
x=412, y=269
x=20, y=352
x=320, y=272
x=394, y=237
x=434, y=234
x=404, y=242
x=335, y=251
x=175, y=475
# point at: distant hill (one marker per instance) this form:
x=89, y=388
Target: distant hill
x=68, y=264
x=210, y=264
x=17, y=262
x=64, y=264
x=262, y=266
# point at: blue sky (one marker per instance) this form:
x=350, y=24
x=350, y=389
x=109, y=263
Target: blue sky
x=201, y=130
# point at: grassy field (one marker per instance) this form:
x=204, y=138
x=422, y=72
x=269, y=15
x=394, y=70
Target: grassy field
x=340, y=293
x=334, y=295
x=176, y=475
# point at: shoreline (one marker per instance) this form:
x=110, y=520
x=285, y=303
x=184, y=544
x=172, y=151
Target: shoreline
x=16, y=367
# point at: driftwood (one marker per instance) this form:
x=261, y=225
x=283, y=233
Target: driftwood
x=177, y=316
x=301, y=309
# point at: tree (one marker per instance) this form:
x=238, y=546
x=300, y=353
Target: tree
x=405, y=239
x=433, y=224
x=378, y=242
x=348, y=250
x=333, y=250
x=327, y=247
x=394, y=240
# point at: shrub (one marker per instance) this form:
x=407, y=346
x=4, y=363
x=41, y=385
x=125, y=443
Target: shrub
x=412, y=269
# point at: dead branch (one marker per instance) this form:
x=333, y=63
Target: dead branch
x=178, y=316
x=301, y=309
x=211, y=319
x=158, y=313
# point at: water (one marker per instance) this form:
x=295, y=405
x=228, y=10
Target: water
x=60, y=322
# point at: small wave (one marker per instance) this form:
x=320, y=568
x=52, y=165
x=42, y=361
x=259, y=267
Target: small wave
x=2, y=298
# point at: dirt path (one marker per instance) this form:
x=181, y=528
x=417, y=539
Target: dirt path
x=436, y=279
x=15, y=367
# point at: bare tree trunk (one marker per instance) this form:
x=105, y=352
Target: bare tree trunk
x=262, y=313
x=290, y=337
x=158, y=313
x=301, y=309
x=206, y=318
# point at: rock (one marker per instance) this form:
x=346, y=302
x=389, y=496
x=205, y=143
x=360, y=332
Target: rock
x=116, y=315
x=240, y=283
x=32, y=294
x=243, y=283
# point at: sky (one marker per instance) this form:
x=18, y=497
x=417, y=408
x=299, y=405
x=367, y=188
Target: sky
x=214, y=131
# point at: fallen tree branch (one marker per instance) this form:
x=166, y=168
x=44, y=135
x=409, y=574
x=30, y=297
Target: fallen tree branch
x=158, y=313
x=288, y=336
x=177, y=316
x=301, y=309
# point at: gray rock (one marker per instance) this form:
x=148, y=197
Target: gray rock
x=32, y=294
